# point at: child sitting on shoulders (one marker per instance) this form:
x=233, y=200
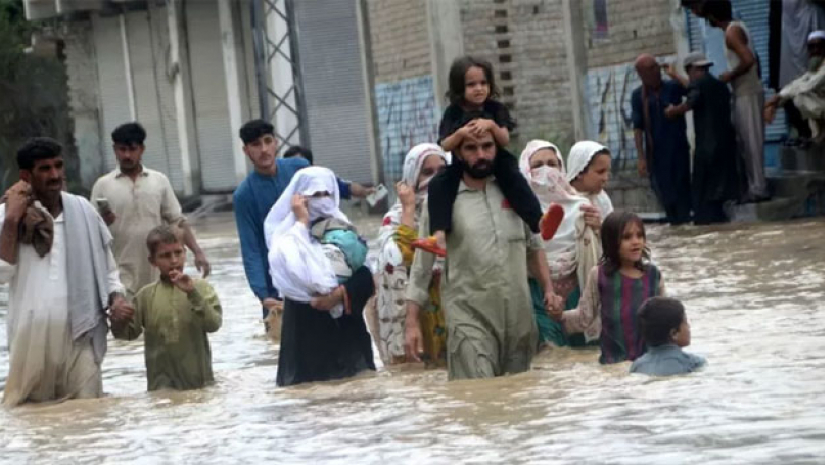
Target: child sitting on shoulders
x=666, y=330
x=473, y=110
x=176, y=312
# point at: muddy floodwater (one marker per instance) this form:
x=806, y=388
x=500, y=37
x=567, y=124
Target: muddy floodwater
x=754, y=296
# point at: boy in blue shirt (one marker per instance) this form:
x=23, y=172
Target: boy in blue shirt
x=666, y=330
x=252, y=201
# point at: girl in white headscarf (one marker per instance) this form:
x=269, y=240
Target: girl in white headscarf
x=316, y=344
x=394, y=258
x=588, y=172
x=575, y=248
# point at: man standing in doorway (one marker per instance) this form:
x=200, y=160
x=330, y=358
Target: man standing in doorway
x=661, y=143
x=134, y=200
x=748, y=95
x=253, y=199
x=491, y=330
x=55, y=253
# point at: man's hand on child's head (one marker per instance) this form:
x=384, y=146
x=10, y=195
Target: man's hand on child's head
x=182, y=281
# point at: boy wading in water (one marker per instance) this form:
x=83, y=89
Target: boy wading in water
x=665, y=328
x=176, y=312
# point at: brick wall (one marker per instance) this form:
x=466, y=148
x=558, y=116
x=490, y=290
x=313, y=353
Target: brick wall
x=400, y=39
x=81, y=70
x=633, y=27
x=524, y=40
x=406, y=108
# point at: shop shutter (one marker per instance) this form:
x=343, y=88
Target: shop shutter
x=332, y=72
x=111, y=72
x=212, y=127
x=147, y=98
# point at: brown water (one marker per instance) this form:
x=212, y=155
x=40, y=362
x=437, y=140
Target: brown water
x=755, y=300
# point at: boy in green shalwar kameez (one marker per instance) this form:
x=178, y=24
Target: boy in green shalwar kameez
x=176, y=312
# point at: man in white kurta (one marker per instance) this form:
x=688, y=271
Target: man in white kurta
x=47, y=360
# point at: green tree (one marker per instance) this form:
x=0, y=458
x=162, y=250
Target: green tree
x=33, y=94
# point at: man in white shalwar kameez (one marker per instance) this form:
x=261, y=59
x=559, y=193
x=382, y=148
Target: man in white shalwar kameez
x=60, y=283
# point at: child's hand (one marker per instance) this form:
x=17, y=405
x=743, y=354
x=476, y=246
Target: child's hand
x=182, y=281
x=553, y=304
x=120, y=310
x=592, y=216
x=479, y=126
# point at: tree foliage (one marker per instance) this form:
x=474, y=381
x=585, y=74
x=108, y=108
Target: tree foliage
x=32, y=91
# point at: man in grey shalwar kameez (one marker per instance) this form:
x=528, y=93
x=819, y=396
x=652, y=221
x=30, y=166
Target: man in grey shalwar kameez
x=490, y=327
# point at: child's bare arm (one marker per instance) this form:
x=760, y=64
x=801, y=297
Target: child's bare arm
x=582, y=318
x=452, y=141
x=500, y=134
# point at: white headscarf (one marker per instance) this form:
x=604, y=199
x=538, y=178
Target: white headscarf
x=550, y=186
x=387, y=251
x=581, y=154
x=297, y=263
x=306, y=182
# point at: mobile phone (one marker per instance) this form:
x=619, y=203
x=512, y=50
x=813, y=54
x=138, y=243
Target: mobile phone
x=377, y=196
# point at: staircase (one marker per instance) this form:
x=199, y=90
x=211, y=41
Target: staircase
x=797, y=188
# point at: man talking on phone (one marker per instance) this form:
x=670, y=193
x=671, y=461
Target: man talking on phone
x=133, y=200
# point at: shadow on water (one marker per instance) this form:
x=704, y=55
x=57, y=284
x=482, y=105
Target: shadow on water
x=754, y=296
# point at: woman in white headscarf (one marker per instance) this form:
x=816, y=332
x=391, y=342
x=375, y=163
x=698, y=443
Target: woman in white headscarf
x=394, y=259
x=317, y=344
x=575, y=247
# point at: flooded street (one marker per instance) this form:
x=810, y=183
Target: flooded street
x=754, y=296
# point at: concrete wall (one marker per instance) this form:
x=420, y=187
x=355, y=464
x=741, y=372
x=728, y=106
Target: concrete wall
x=524, y=40
x=633, y=27
x=81, y=70
x=406, y=107
x=400, y=41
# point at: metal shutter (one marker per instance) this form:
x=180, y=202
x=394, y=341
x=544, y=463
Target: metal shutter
x=111, y=72
x=147, y=99
x=212, y=126
x=334, y=87
x=168, y=117
x=696, y=35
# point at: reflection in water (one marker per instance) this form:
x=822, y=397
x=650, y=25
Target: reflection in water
x=754, y=297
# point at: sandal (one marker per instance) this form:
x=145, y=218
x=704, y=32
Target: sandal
x=551, y=221
x=429, y=244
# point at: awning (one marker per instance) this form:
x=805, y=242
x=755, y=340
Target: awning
x=43, y=9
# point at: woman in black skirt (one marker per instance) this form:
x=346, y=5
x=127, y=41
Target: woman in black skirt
x=316, y=347
x=316, y=344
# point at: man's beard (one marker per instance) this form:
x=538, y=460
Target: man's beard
x=480, y=170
